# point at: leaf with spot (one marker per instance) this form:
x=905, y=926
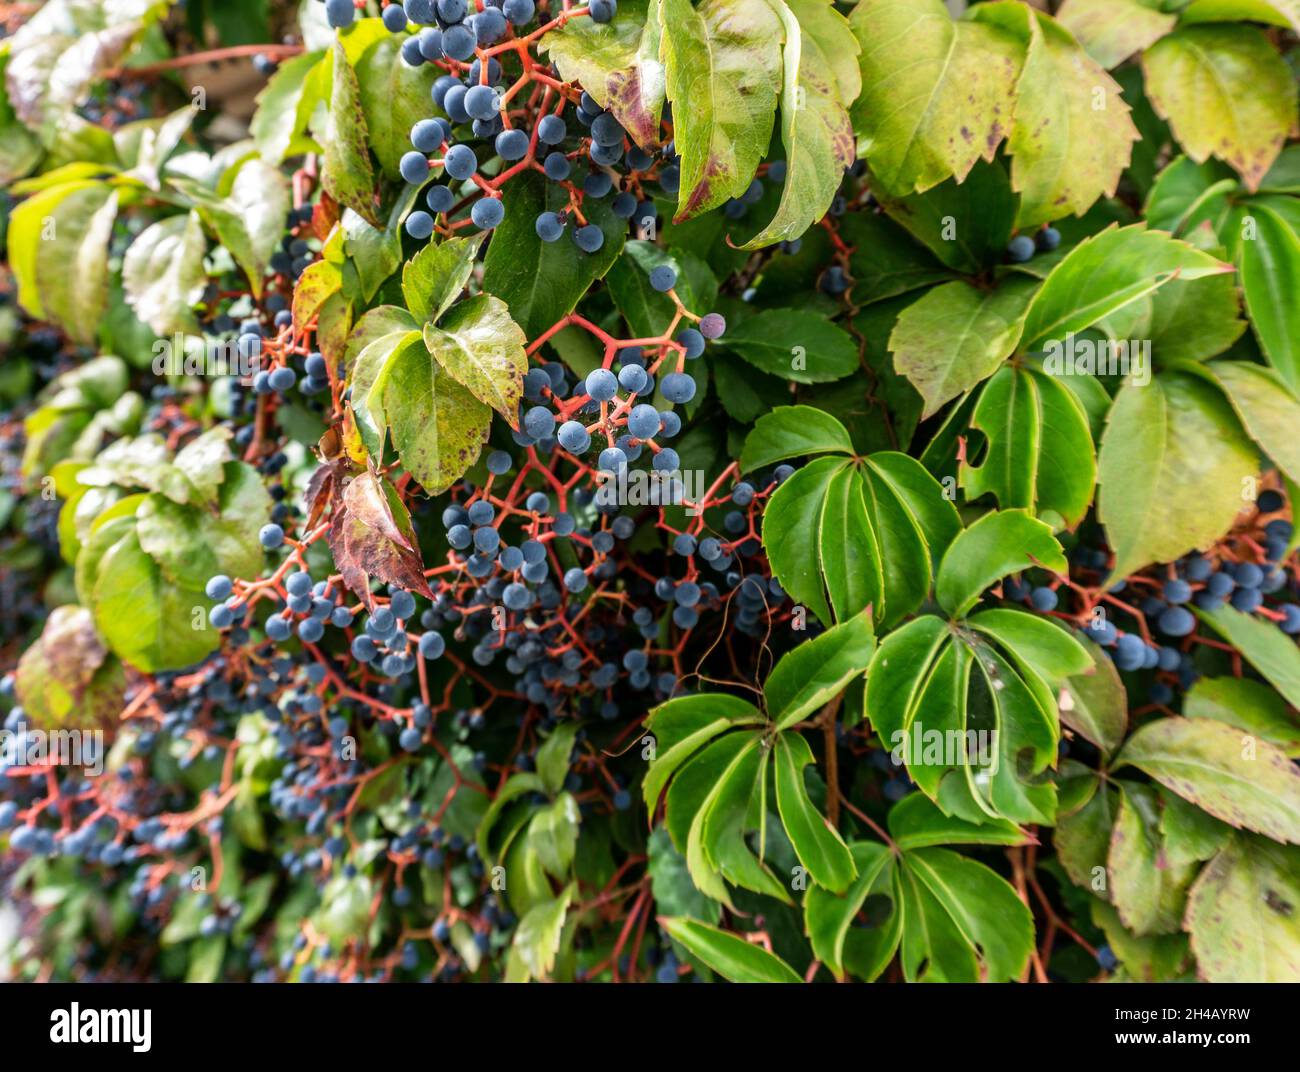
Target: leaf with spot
x=482, y=349
x=722, y=62
x=346, y=172
x=618, y=63
x=1248, y=783
x=67, y=678
x=956, y=336
x=1071, y=135
x=1226, y=92
x=1243, y=914
x=371, y=536
x=815, y=127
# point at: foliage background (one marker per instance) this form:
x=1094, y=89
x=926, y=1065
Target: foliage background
x=903, y=213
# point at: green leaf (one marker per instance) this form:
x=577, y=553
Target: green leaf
x=794, y=344
x=829, y=917
x=962, y=923
x=482, y=349
x=815, y=127
x=285, y=104
x=1176, y=443
x=885, y=261
x=733, y=958
x=553, y=834
x=1186, y=194
x=346, y=172
x=1106, y=272
x=1093, y=703
x=1241, y=914
x=540, y=281
x=1267, y=408
x=163, y=274
x=722, y=62
x=146, y=620
x=1112, y=30
x=793, y=432
x=394, y=96
x=813, y=673
x=553, y=756
x=1071, y=135
x=618, y=63
x=1266, y=648
x=915, y=822
x=72, y=260
x=1147, y=889
x=670, y=881
x=932, y=108
x=435, y=276
x=681, y=726
x=66, y=678
x=1247, y=782
x=1270, y=277
x=1195, y=319
x=966, y=225
x=537, y=938
x=974, y=729
x=1082, y=835
x=437, y=425
x=1225, y=92
x=817, y=843
x=999, y=543
x=1039, y=452
x=956, y=336
x=868, y=535
x=1248, y=705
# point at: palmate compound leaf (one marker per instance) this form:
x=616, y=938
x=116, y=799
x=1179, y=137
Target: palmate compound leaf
x=1039, y=453
x=716, y=750
x=370, y=535
x=970, y=709
x=952, y=918
x=618, y=63
x=144, y=561
x=847, y=533
x=1171, y=468
x=722, y=62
